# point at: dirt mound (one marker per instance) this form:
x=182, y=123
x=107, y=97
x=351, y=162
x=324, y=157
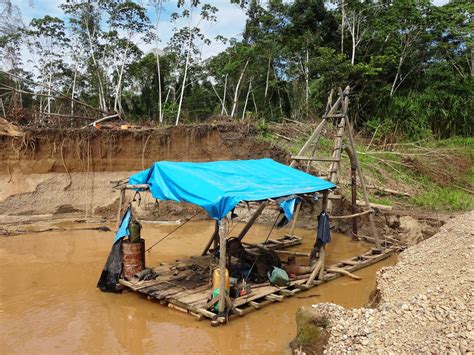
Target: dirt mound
x=425, y=301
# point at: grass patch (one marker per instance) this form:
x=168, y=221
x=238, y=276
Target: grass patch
x=454, y=142
x=311, y=336
x=380, y=200
x=444, y=198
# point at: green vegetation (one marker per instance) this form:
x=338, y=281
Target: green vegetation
x=309, y=328
x=409, y=63
x=437, y=174
x=445, y=199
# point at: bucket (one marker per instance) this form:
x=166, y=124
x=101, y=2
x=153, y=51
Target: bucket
x=133, y=258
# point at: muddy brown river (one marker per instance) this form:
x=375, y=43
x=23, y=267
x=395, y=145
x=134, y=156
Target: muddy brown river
x=49, y=302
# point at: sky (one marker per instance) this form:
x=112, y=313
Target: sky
x=230, y=20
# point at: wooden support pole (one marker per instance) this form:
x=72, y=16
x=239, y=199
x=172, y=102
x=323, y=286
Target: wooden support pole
x=373, y=231
x=322, y=251
x=322, y=257
x=324, y=206
x=316, y=269
x=295, y=218
x=252, y=220
x=214, y=238
x=119, y=212
x=222, y=269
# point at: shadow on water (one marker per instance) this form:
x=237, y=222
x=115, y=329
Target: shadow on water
x=49, y=302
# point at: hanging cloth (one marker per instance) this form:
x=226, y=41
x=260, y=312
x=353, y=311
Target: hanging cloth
x=113, y=267
x=324, y=229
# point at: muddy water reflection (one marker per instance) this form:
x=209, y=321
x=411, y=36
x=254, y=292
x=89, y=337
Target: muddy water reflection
x=49, y=303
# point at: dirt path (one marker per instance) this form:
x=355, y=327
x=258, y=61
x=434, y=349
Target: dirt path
x=426, y=300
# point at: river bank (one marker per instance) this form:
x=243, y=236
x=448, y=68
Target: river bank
x=425, y=302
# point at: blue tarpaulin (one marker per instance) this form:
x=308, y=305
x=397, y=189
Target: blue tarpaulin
x=123, y=228
x=220, y=185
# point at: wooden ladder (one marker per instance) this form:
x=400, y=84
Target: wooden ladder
x=337, y=112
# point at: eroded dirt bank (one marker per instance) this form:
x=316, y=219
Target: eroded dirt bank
x=425, y=305
x=53, y=172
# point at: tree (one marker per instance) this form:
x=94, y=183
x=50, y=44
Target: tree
x=184, y=41
x=48, y=40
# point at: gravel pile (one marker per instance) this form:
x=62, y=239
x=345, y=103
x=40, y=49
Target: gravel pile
x=426, y=300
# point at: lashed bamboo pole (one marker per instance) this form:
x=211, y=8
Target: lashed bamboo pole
x=222, y=269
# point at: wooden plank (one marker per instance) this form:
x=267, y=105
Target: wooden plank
x=204, y=312
x=255, y=305
x=274, y=297
x=256, y=294
x=350, y=262
x=194, y=301
x=275, y=241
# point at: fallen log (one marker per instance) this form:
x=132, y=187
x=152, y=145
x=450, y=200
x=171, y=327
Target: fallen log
x=388, y=191
x=344, y=272
x=374, y=205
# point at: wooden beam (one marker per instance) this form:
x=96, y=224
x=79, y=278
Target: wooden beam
x=119, y=212
x=322, y=258
x=252, y=220
x=222, y=271
x=312, y=276
x=214, y=237
x=373, y=231
x=295, y=218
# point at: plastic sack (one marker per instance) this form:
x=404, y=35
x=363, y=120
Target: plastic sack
x=278, y=277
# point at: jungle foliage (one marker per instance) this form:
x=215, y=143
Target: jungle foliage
x=409, y=63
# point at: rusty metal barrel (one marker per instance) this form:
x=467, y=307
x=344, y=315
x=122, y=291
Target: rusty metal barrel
x=133, y=258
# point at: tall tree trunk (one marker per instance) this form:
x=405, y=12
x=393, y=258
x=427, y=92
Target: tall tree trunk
x=472, y=61
x=223, y=109
x=237, y=89
x=184, y=83
x=343, y=15
x=307, y=82
x=354, y=43
x=158, y=69
x=254, y=102
x=102, y=103
x=73, y=91
x=118, y=89
x=268, y=76
x=49, y=93
x=247, y=100
x=220, y=100
x=395, y=80
x=158, y=8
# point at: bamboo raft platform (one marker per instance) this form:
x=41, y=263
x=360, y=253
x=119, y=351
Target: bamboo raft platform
x=186, y=286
